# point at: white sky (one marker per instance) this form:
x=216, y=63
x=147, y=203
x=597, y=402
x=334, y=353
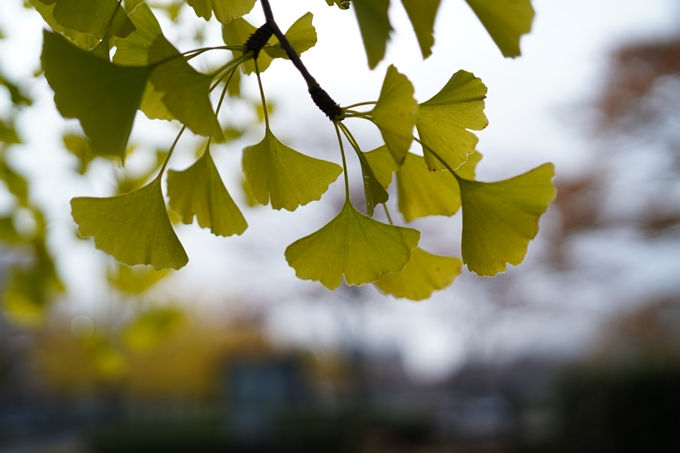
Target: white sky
x=531, y=110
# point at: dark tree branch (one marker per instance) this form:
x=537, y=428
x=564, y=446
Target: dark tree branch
x=322, y=100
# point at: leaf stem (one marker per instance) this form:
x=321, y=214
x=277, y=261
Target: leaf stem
x=264, y=101
x=224, y=92
x=359, y=105
x=387, y=213
x=172, y=148
x=344, y=161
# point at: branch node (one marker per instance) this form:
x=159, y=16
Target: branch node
x=326, y=104
x=259, y=39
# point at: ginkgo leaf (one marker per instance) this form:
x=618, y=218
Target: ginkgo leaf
x=133, y=228
x=422, y=14
x=394, y=113
x=353, y=245
x=382, y=165
x=373, y=189
x=225, y=10
x=444, y=120
x=79, y=147
x=46, y=10
x=425, y=193
x=375, y=27
x=103, y=96
x=236, y=33
x=506, y=21
x=95, y=17
x=423, y=275
x=199, y=191
x=469, y=169
x=8, y=233
x=301, y=35
x=500, y=218
x=134, y=280
x=134, y=51
x=186, y=91
x=284, y=176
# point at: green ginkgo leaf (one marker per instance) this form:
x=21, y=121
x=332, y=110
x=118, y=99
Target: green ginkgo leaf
x=506, y=21
x=199, y=191
x=500, y=218
x=375, y=27
x=469, y=169
x=186, y=91
x=134, y=280
x=236, y=33
x=422, y=14
x=374, y=191
x=46, y=10
x=301, y=35
x=100, y=18
x=134, y=51
x=423, y=275
x=424, y=193
x=382, y=165
x=103, y=96
x=444, y=120
x=353, y=245
x=225, y=10
x=284, y=176
x=394, y=113
x=133, y=228
x=79, y=147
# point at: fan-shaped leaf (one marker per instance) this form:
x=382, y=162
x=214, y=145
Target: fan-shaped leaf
x=423, y=275
x=352, y=245
x=134, y=280
x=225, y=10
x=46, y=10
x=444, y=120
x=375, y=27
x=94, y=17
x=286, y=177
x=186, y=91
x=506, y=21
x=301, y=35
x=134, y=51
x=373, y=189
x=103, y=96
x=382, y=165
x=394, y=113
x=199, y=191
x=424, y=193
x=500, y=218
x=422, y=14
x=133, y=228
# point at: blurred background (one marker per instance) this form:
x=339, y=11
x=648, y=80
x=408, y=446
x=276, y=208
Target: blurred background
x=577, y=349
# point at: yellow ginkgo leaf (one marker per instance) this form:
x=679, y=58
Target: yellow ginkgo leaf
x=134, y=280
x=186, y=92
x=133, y=50
x=444, y=120
x=46, y=10
x=353, y=245
x=374, y=24
x=425, y=193
x=382, y=165
x=500, y=218
x=199, y=191
x=423, y=275
x=506, y=21
x=225, y=10
x=422, y=14
x=301, y=35
x=374, y=190
x=133, y=228
x=150, y=329
x=100, y=18
x=284, y=176
x=103, y=96
x=394, y=113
